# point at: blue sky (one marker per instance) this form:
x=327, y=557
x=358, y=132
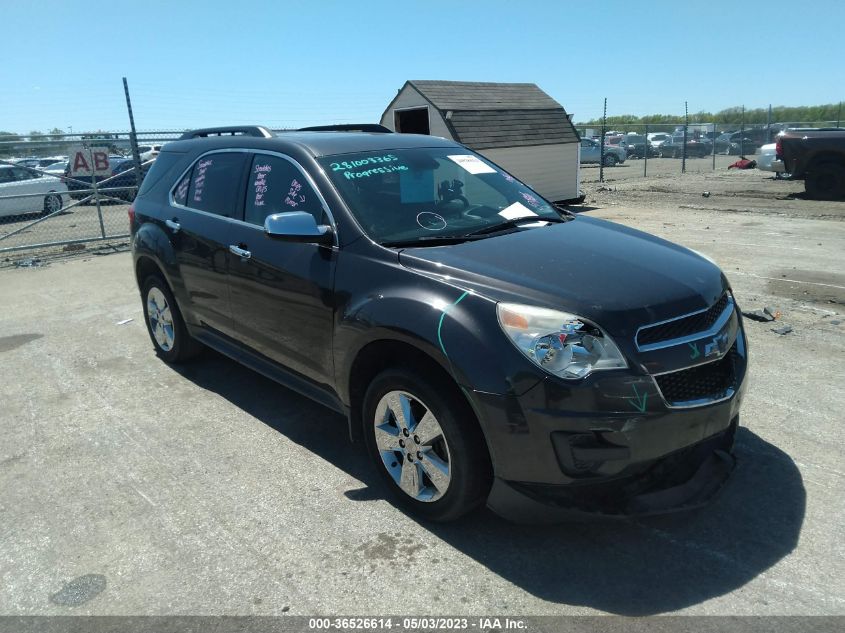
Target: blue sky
x=284, y=64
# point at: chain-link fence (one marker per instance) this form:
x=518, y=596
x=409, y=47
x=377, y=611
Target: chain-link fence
x=619, y=151
x=70, y=189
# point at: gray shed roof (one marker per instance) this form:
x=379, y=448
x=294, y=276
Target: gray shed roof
x=485, y=115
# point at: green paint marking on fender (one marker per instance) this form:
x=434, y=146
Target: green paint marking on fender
x=695, y=353
x=639, y=401
x=443, y=316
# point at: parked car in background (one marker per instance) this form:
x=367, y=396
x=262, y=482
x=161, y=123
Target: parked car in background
x=766, y=161
x=148, y=152
x=57, y=169
x=486, y=346
x=638, y=146
x=658, y=138
x=817, y=157
x=42, y=194
x=673, y=147
x=591, y=153
x=124, y=180
x=617, y=140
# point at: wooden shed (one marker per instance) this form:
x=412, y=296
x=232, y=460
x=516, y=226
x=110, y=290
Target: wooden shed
x=517, y=126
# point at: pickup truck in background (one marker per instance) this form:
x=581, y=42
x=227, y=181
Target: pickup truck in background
x=815, y=156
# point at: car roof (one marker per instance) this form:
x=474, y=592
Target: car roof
x=317, y=143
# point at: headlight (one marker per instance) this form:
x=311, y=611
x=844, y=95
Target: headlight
x=562, y=344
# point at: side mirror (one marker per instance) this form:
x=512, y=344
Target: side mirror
x=297, y=226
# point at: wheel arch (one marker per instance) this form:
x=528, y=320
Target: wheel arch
x=381, y=354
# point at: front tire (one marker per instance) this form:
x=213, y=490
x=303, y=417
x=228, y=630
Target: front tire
x=426, y=443
x=165, y=324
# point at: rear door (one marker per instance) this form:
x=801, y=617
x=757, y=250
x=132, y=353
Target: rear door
x=282, y=292
x=27, y=182
x=204, y=206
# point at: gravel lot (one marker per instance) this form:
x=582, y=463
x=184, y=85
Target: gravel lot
x=130, y=487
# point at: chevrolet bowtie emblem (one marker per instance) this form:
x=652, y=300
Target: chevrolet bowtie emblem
x=717, y=346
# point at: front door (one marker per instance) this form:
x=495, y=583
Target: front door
x=282, y=292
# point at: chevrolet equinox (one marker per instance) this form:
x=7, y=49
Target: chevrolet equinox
x=487, y=346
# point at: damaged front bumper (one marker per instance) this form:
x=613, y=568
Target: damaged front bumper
x=685, y=480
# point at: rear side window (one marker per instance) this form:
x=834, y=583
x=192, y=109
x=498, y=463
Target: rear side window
x=216, y=183
x=180, y=193
x=275, y=186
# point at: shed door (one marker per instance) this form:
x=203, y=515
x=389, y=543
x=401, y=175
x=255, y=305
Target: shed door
x=411, y=121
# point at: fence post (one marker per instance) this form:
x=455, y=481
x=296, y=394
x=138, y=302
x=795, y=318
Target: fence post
x=742, y=134
x=714, y=146
x=645, y=152
x=839, y=115
x=96, y=193
x=684, y=151
x=601, y=142
x=133, y=137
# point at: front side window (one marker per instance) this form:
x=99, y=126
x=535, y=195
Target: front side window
x=410, y=194
x=277, y=186
x=216, y=182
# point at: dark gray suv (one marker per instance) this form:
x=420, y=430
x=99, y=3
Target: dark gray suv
x=487, y=346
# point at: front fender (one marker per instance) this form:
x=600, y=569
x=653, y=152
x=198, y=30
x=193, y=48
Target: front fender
x=455, y=326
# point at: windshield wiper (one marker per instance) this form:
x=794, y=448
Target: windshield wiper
x=512, y=224
x=430, y=240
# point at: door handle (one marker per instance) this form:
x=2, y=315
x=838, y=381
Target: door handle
x=240, y=252
x=173, y=225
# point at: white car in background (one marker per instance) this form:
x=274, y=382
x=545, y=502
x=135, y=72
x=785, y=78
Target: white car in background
x=148, y=152
x=40, y=193
x=658, y=138
x=766, y=161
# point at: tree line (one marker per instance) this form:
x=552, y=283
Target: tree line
x=828, y=113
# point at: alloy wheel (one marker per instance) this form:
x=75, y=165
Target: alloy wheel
x=160, y=319
x=412, y=446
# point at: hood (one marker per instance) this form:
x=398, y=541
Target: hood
x=618, y=277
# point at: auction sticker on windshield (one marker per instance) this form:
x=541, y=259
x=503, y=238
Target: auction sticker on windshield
x=517, y=210
x=472, y=164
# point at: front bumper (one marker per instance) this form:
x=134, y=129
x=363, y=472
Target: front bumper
x=685, y=480
x=612, y=445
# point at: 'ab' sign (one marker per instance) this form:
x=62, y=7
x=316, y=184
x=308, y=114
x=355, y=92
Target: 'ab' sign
x=84, y=161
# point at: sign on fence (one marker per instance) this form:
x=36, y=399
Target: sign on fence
x=84, y=161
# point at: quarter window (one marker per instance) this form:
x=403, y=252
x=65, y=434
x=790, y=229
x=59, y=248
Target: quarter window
x=216, y=182
x=277, y=186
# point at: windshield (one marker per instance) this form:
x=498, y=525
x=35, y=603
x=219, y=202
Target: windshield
x=409, y=194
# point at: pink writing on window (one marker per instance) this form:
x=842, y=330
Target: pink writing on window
x=199, y=179
x=259, y=185
x=294, y=198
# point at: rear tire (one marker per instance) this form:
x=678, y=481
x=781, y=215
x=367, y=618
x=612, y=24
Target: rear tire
x=610, y=160
x=825, y=181
x=443, y=438
x=165, y=324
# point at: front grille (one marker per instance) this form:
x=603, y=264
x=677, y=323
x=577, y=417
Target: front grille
x=684, y=326
x=704, y=382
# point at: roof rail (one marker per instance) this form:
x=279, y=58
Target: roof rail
x=348, y=127
x=237, y=130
